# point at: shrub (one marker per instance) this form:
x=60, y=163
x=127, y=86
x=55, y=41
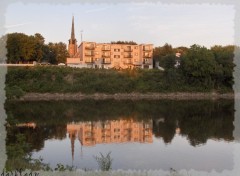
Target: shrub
x=14, y=92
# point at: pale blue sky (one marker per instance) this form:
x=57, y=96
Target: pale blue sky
x=156, y=23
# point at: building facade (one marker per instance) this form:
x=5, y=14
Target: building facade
x=104, y=55
x=108, y=55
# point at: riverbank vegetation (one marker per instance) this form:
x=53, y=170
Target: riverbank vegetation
x=198, y=69
x=201, y=70
x=88, y=81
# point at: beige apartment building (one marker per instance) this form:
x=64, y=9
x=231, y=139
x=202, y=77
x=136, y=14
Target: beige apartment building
x=109, y=55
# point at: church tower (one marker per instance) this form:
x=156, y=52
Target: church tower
x=72, y=46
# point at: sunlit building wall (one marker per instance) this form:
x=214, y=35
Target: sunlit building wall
x=101, y=55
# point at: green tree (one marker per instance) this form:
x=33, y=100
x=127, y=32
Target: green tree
x=169, y=61
x=55, y=53
x=124, y=42
x=199, y=66
x=160, y=52
x=224, y=58
x=13, y=47
x=61, y=52
x=22, y=48
x=183, y=50
x=39, y=44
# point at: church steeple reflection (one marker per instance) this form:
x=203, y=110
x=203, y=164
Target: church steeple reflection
x=72, y=135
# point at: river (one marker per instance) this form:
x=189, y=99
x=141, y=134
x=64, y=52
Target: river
x=142, y=135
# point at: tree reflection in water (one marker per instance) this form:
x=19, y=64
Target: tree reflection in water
x=197, y=120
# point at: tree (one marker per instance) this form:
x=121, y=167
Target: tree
x=55, y=53
x=224, y=58
x=23, y=48
x=124, y=42
x=160, y=52
x=61, y=52
x=183, y=50
x=39, y=44
x=199, y=66
x=169, y=62
x=49, y=54
x=13, y=47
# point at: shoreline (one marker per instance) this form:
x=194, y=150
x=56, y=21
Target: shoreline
x=126, y=96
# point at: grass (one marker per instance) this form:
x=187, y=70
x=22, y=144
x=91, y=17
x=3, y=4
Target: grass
x=88, y=81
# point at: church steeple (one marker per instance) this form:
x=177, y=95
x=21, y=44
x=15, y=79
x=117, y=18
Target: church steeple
x=72, y=45
x=73, y=33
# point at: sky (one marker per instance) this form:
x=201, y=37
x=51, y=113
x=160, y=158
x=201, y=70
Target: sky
x=155, y=23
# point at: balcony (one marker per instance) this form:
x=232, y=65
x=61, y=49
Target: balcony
x=147, y=48
x=89, y=60
x=128, y=56
x=90, y=47
x=147, y=55
x=128, y=50
x=104, y=55
x=89, y=54
x=106, y=61
x=106, y=48
x=127, y=61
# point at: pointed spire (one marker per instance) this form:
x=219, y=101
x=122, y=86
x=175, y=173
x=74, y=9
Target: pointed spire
x=73, y=33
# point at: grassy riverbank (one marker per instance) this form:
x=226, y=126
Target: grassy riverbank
x=25, y=80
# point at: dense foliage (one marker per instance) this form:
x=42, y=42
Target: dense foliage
x=124, y=42
x=207, y=68
x=22, y=48
x=53, y=79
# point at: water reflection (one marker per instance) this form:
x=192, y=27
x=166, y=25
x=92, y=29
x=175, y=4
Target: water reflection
x=110, y=131
x=91, y=124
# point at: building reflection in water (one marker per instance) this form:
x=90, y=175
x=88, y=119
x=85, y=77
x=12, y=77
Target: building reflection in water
x=28, y=125
x=110, y=131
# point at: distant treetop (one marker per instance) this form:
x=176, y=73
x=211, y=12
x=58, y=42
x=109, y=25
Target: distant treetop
x=124, y=42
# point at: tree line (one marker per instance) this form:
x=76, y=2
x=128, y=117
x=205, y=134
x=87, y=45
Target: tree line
x=209, y=68
x=198, y=66
x=22, y=48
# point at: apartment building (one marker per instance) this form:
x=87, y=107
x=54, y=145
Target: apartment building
x=109, y=55
x=101, y=55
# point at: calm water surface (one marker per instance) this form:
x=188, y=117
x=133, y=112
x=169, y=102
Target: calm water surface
x=139, y=134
